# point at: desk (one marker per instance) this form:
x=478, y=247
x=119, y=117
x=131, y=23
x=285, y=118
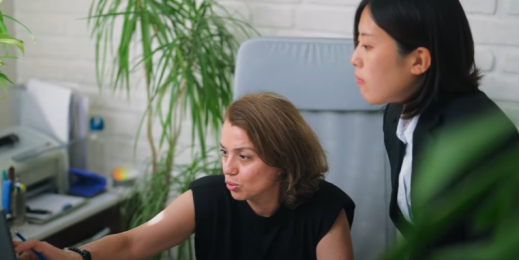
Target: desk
x=99, y=212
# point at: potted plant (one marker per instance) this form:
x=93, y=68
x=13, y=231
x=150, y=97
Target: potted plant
x=186, y=55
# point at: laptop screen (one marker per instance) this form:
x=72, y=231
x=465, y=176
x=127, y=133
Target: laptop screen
x=6, y=244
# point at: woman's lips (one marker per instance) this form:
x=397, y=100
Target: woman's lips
x=359, y=80
x=231, y=185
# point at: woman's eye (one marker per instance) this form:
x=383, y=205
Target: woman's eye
x=366, y=47
x=244, y=157
x=223, y=152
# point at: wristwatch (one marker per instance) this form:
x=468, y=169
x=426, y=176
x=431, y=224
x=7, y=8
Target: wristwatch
x=82, y=252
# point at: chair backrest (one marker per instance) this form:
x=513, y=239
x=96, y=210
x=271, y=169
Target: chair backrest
x=315, y=74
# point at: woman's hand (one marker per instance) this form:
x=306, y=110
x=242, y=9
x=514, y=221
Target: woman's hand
x=50, y=252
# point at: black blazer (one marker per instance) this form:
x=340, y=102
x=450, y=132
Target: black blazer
x=447, y=112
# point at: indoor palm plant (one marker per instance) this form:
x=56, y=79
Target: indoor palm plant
x=185, y=53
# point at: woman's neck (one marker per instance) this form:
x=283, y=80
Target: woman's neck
x=265, y=205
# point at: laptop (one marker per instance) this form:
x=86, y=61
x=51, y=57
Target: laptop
x=6, y=241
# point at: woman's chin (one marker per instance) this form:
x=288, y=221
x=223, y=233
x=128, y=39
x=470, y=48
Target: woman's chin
x=373, y=99
x=237, y=195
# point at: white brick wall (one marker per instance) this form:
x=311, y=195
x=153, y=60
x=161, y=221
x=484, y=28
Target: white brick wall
x=64, y=52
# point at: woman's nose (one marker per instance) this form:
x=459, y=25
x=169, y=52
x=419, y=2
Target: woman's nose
x=228, y=167
x=355, y=59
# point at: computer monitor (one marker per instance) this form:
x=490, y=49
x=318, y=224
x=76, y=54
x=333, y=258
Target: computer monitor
x=6, y=241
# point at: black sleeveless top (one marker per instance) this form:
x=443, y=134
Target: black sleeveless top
x=228, y=229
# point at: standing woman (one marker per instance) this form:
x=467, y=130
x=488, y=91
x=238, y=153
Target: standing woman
x=418, y=58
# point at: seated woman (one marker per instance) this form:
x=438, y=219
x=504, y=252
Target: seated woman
x=272, y=201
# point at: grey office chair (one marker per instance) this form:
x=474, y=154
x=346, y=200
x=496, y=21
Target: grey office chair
x=315, y=75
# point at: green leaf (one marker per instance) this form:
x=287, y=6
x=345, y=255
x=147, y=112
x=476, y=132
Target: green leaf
x=3, y=29
x=4, y=38
x=18, y=22
x=146, y=42
x=4, y=77
x=10, y=57
x=3, y=80
x=454, y=179
x=436, y=174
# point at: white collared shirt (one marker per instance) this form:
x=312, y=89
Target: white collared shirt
x=404, y=132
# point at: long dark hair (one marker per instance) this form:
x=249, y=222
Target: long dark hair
x=442, y=27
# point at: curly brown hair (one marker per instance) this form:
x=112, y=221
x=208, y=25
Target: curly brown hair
x=283, y=140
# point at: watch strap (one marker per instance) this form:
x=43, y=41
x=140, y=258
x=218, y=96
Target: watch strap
x=84, y=253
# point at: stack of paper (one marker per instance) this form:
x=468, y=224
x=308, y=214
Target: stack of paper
x=56, y=204
x=46, y=108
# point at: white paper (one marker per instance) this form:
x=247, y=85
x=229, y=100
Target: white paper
x=46, y=107
x=55, y=203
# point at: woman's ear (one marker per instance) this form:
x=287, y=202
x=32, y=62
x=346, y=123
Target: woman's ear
x=421, y=61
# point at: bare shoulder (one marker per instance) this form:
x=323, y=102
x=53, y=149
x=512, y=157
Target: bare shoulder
x=336, y=244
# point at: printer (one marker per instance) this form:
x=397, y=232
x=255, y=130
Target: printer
x=40, y=162
x=47, y=147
